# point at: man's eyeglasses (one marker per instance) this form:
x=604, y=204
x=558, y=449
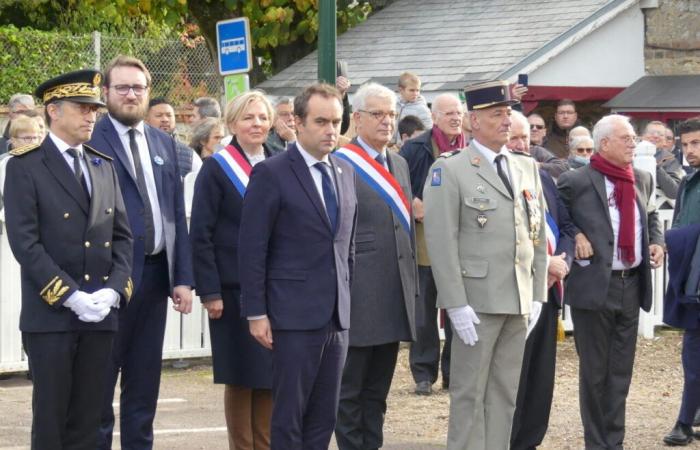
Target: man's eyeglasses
x=380, y=115
x=536, y=127
x=123, y=89
x=583, y=150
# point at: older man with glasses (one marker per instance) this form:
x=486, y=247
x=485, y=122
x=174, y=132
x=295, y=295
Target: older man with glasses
x=581, y=149
x=538, y=130
x=668, y=170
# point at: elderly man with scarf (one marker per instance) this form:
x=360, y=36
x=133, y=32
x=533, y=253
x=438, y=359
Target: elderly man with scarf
x=618, y=242
x=420, y=153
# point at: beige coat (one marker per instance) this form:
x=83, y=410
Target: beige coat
x=480, y=242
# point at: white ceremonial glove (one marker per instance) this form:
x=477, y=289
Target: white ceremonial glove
x=84, y=307
x=106, y=298
x=535, y=311
x=463, y=319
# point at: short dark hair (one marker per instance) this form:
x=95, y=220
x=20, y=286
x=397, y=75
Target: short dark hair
x=689, y=126
x=125, y=61
x=301, y=101
x=566, y=102
x=157, y=101
x=208, y=107
x=409, y=125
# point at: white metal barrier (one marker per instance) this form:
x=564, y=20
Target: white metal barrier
x=188, y=335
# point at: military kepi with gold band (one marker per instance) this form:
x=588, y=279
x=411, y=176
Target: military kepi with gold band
x=81, y=86
x=488, y=95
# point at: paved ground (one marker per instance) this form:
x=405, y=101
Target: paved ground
x=190, y=413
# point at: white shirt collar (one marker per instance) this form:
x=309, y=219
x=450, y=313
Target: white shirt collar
x=123, y=129
x=309, y=159
x=62, y=145
x=489, y=154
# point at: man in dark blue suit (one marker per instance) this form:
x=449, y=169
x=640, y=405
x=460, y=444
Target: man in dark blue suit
x=146, y=164
x=536, y=387
x=296, y=253
x=678, y=312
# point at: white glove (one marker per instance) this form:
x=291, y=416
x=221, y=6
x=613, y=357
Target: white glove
x=463, y=319
x=82, y=305
x=534, y=316
x=106, y=298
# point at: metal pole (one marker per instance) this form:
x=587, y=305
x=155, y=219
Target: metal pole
x=326, y=41
x=97, y=46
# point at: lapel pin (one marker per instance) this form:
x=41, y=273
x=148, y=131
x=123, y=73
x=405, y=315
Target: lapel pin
x=480, y=188
x=481, y=220
x=96, y=162
x=476, y=160
x=158, y=160
x=340, y=170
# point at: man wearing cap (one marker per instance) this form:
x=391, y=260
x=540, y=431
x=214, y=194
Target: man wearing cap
x=149, y=177
x=494, y=276
x=67, y=227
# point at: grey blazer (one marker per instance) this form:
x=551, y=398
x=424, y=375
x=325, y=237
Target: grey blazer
x=583, y=193
x=384, y=286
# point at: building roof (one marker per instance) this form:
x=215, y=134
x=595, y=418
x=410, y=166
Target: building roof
x=659, y=93
x=450, y=43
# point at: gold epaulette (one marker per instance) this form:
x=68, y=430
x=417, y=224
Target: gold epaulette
x=100, y=154
x=19, y=151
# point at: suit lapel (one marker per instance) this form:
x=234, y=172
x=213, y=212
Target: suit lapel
x=338, y=178
x=57, y=166
x=301, y=170
x=599, y=185
x=111, y=137
x=486, y=171
x=98, y=182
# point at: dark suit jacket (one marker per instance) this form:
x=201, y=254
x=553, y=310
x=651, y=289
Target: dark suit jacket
x=561, y=217
x=170, y=197
x=418, y=153
x=63, y=241
x=583, y=192
x=291, y=265
x=386, y=280
x=681, y=306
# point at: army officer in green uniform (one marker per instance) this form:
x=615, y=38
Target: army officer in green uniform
x=68, y=230
x=485, y=233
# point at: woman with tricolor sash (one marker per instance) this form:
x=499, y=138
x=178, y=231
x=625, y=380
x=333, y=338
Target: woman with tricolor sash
x=239, y=362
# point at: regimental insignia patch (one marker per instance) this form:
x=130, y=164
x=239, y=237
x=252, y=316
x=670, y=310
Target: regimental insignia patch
x=436, y=177
x=53, y=291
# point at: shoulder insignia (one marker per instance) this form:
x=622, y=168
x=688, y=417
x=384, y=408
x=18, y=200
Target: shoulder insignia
x=19, y=151
x=53, y=291
x=100, y=154
x=449, y=154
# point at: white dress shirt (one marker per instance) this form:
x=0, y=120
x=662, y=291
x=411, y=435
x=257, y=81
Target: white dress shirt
x=147, y=165
x=617, y=263
x=490, y=156
x=315, y=173
x=63, y=148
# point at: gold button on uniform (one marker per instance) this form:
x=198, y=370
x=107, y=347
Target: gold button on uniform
x=87, y=277
x=517, y=241
x=464, y=273
x=107, y=244
x=108, y=211
x=87, y=244
x=105, y=278
x=66, y=215
x=517, y=260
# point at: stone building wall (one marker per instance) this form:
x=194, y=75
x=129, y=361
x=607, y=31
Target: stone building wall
x=672, y=41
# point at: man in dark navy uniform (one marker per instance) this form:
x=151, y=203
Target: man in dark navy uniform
x=68, y=228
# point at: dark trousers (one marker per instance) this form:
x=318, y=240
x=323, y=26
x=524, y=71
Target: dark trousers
x=306, y=370
x=536, y=388
x=424, y=355
x=691, y=376
x=363, y=391
x=68, y=372
x=606, y=342
x=138, y=352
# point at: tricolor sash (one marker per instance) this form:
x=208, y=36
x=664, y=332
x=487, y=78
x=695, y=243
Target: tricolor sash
x=552, y=231
x=235, y=166
x=380, y=180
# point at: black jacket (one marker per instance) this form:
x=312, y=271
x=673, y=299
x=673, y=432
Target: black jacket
x=418, y=153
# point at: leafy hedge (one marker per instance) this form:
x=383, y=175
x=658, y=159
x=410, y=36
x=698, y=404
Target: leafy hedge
x=29, y=57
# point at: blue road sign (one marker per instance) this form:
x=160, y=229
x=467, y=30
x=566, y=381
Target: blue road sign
x=234, y=46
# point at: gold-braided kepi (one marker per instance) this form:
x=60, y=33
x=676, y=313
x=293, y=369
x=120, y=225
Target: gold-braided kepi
x=81, y=86
x=488, y=95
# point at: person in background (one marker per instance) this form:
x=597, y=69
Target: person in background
x=242, y=365
x=668, y=170
x=410, y=127
x=420, y=153
x=411, y=103
x=18, y=104
x=538, y=130
x=519, y=141
x=580, y=151
x=205, y=107
x=342, y=84
x=282, y=133
x=161, y=115
x=24, y=131
x=579, y=131
x=467, y=127
x=565, y=118
x=206, y=137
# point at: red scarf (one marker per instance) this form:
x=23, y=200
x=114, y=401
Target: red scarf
x=443, y=142
x=623, y=179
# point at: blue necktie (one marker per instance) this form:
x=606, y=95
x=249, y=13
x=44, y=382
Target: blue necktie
x=380, y=160
x=328, y=195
